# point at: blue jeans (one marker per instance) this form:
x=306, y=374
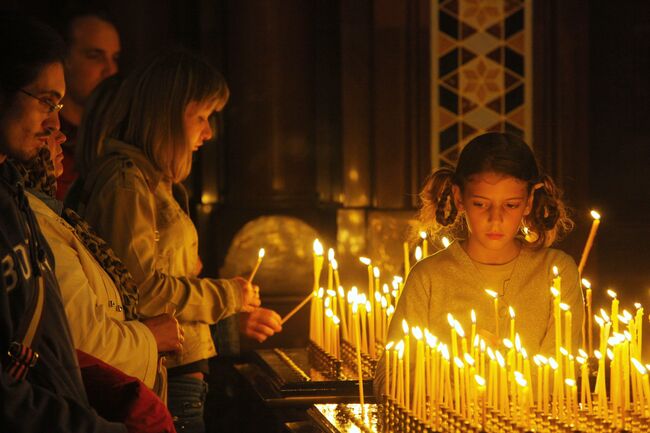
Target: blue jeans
x=186, y=399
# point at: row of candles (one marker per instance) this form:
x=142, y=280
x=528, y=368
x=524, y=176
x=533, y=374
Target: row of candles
x=470, y=377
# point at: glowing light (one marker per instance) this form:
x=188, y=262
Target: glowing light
x=595, y=215
x=445, y=242
x=365, y=260
x=330, y=254
x=318, y=248
x=586, y=283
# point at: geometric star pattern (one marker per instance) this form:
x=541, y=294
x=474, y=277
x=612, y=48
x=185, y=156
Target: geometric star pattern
x=482, y=78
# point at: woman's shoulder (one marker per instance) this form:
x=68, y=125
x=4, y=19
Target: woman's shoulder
x=445, y=259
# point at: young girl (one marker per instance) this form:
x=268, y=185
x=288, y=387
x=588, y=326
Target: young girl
x=495, y=192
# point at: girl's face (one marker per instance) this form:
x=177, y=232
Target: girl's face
x=196, y=123
x=494, y=205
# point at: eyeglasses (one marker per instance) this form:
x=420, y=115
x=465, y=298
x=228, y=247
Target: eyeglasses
x=51, y=108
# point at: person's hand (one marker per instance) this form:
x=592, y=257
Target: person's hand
x=250, y=294
x=168, y=333
x=260, y=324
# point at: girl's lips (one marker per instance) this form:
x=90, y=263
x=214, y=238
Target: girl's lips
x=494, y=236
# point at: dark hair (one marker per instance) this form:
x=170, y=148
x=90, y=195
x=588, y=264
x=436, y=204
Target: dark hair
x=27, y=46
x=65, y=26
x=504, y=154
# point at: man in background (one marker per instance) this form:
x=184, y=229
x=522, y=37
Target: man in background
x=92, y=56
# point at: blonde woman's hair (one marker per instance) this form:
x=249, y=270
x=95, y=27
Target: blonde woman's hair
x=150, y=105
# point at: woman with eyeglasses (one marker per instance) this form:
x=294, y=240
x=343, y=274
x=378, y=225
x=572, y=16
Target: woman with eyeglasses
x=133, y=196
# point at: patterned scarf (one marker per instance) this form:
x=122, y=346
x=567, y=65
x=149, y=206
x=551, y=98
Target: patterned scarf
x=38, y=174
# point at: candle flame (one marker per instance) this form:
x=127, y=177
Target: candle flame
x=512, y=312
x=327, y=302
x=580, y=359
x=595, y=215
x=331, y=292
x=450, y=319
x=321, y=292
x=556, y=272
x=611, y=293
x=555, y=292
x=586, y=283
x=418, y=253
x=377, y=296
x=459, y=329
x=375, y=272
x=446, y=242
x=458, y=362
x=508, y=343
x=583, y=353
x=318, y=248
x=335, y=264
x=482, y=345
x=570, y=382
x=384, y=302
x=553, y=363
x=423, y=235
x=521, y=381
x=475, y=343
x=336, y=320
x=385, y=289
x=627, y=335
x=564, y=352
x=491, y=293
x=610, y=354
x=400, y=345
x=432, y=340
x=341, y=292
x=605, y=316
x=368, y=306
x=390, y=310
x=537, y=361
x=355, y=308
x=517, y=343
x=260, y=253
x=444, y=350
x=330, y=254
x=329, y=313
x=417, y=333
x=524, y=353
x=398, y=279
x=640, y=368
x=390, y=345
x=638, y=305
x=490, y=353
x=500, y=359
x=473, y=316
x=365, y=260
x=405, y=326
x=599, y=320
x=468, y=359
x=597, y=354
x=627, y=315
x=564, y=307
x=479, y=380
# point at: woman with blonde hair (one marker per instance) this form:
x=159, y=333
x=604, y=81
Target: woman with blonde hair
x=133, y=196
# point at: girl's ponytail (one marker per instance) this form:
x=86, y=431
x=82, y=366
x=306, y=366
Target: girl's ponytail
x=548, y=218
x=438, y=209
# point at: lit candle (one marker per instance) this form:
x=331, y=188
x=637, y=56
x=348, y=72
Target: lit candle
x=359, y=369
x=407, y=379
x=400, y=375
x=335, y=338
x=361, y=301
x=585, y=387
x=418, y=380
x=612, y=294
x=567, y=325
x=376, y=296
x=589, y=321
x=343, y=313
x=260, y=256
x=512, y=323
x=318, y=266
x=330, y=269
x=557, y=320
x=371, y=331
x=425, y=244
x=445, y=242
x=495, y=296
x=407, y=261
x=480, y=381
x=388, y=371
x=590, y=241
x=472, y=315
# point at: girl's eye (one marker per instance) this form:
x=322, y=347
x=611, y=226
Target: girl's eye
x=478, y=204
x=512, y=205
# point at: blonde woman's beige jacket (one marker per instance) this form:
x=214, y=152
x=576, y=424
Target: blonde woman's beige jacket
x=131, y=205
x=93, y=304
